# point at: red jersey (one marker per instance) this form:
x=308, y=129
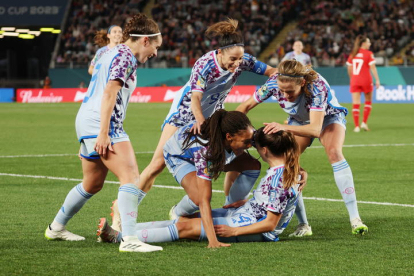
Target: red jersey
x=360, y=67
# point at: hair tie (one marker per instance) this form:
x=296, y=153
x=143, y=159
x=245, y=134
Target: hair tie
x=110, y=28
x=142, y=35
x=232, y=45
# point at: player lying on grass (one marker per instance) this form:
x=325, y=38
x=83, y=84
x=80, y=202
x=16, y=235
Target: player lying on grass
x=262, y=218
x=314, y=112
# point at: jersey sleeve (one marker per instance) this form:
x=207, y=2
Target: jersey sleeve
x=201, y=164
x=251, y=64
x=349, y=61
x=319, y=95
x=121, y=68
x=278, y=197
x=371, y=59
x=95, y=59
x=198, y=78
x=266, y=90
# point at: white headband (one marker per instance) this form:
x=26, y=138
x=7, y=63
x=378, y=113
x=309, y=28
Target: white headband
x=142, y=35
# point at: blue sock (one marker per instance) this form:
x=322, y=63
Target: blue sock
x=185, y=207
x=345, y=183
x=74, y=201
x=164, y=234
x=129, y=197
x=300, y=211
x=242, y=186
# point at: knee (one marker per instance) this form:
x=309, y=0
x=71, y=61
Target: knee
x=334, y=154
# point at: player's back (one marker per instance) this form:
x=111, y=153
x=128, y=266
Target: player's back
x=361, y=63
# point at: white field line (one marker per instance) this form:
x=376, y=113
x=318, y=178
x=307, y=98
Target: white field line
x=150, y=152
x=179, y=188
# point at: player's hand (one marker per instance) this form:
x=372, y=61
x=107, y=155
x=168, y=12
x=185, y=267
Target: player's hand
x=103, y=144
x=377, y=84
x=236, y=204
x=79, y=155
x=272, y=127
x=303, y=179
x=196, y=128
x=225, y=231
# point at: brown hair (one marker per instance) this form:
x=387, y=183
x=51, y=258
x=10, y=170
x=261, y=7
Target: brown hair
x=225, y=32
x=101, y=38
x=140, y=24
x=282, y=143
x=293, y=71
x=214, y=131
x=357, y=44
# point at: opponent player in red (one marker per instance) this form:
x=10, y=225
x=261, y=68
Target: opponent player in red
x=359, y=63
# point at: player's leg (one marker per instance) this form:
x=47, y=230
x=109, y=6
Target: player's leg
x=122, y=163
x=367, y=110
x=332, y=138
x=157, y=163
x=94, y=174
x=241, y=175
x=189, y=203
x=303, y=228
x=356, y=103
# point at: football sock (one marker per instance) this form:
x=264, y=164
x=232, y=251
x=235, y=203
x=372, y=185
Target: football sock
x=74, y=201
x=367, y=111
x=185, y=207
x=345, y=183
x=164, y=234
x=154, y=224
x=242, y=186
x=355, y=114
x=300, y=210
x=129, y=197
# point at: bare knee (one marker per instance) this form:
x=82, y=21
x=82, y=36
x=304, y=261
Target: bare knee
x=334, y=155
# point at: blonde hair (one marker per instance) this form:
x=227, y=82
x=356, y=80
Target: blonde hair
x=293, y=71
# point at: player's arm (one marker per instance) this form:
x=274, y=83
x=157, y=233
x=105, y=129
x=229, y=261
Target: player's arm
x=103, y=141
x=312, y=130
x=266, y=225
x=204, y=192
x=349, y=67
x=247, y=105
x=196, y=109
x=270, y=71
x=90, y=69
x=375, y=73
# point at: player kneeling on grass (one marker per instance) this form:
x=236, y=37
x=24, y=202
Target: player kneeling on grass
x=262, y=218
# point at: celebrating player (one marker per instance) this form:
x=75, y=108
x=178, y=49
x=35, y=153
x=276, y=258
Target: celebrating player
x=211, y=80
x=313, y=113
x=104, y=143
x=262, y=218
x=106, y=40
x=359, y=63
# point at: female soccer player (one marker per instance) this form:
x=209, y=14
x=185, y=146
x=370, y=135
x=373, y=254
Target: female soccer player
x=211, y=80
x=359, y=63
x=104, y=143
x=262, y=218
x=106, y=40
x=313, y=113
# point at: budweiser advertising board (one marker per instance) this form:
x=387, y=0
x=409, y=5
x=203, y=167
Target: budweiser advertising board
x=140, y=95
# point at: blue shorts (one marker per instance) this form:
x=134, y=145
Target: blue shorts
x=87, y=148
x=327, y=120
x=178, y=167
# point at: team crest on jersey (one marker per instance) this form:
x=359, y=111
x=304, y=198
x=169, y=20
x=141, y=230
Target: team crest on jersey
x=263, y=91
x=201, y=82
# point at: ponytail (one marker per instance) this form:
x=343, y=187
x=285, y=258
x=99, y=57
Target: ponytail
x=282, y=143
x=226, y=33
x=101, y=38
x=357, y=44
x=214, y=130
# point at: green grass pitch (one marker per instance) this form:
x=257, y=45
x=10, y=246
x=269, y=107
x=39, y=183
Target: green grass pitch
x=381, y=160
